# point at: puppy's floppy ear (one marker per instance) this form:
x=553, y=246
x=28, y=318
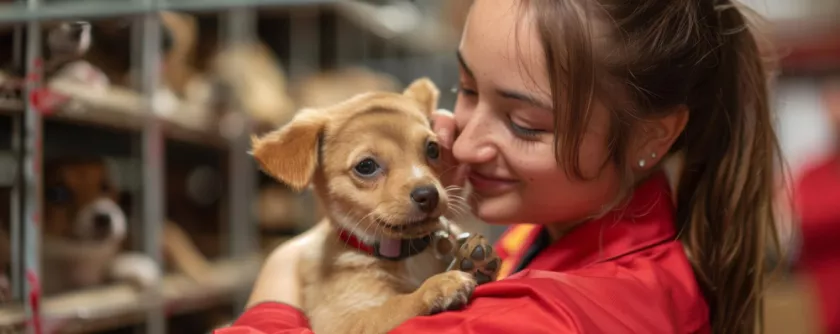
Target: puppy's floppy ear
x=290, y=154
x=425, y=92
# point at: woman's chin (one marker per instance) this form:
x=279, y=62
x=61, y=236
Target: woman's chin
x=498, y=210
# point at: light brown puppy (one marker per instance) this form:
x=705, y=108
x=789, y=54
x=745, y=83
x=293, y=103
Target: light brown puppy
x=374, y=162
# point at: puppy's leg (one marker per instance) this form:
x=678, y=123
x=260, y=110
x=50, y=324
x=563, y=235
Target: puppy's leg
x=183, y=253
x=136, y=268
x=477, y=257
x=444, y=291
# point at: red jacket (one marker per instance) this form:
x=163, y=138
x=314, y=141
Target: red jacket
x=622, y=273
x=818, y=206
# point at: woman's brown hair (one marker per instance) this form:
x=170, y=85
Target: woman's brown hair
x=661, y=55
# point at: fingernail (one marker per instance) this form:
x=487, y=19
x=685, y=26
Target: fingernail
x=443, y=137
x=444, y=112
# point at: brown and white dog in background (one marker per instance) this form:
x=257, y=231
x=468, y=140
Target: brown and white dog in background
x=378, y=258
x=85, y=228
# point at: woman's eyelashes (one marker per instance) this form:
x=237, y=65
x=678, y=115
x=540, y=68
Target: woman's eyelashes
x=524, y=131
x=519, y=130
x=461, y=90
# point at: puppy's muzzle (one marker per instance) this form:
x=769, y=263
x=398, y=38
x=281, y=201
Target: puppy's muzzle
x=102, y=225
x=100, y=220
x=425, y=198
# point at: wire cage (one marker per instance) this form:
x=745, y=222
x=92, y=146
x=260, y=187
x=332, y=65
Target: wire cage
x=150, y=142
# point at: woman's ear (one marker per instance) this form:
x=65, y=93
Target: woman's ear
x=653, y=139
x=425, y=92
x=290, y=154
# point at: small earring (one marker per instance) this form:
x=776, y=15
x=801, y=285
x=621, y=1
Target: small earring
x=653, y=155
x=642, y=163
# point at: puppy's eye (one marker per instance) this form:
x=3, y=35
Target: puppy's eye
x=58, y=195
x=367, y=168
x=105, y=187
x=432, y=150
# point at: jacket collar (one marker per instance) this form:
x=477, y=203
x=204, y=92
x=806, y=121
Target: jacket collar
x=645, y=220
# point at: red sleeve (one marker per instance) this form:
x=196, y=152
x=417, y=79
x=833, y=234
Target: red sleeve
x=529, y=302
x=269, y=318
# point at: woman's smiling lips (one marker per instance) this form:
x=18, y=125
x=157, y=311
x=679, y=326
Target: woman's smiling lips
x=490, y=185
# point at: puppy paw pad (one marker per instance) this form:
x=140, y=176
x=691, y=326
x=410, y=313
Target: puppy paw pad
x=477, y=257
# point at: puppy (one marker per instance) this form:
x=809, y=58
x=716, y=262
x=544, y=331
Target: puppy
x=67, y=43
x=374, y=162
x=84, y=229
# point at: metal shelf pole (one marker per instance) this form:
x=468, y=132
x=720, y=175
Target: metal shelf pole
x=304, y=41
x=32, y=155
x=240, y=26
x=15, y=224
x=18, y=191
x=153, y=148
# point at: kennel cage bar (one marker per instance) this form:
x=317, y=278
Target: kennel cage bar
x=239, y=28
x=16, y=219
x=108, y=8
x=17, y=192
x=32, y=155
x=304, y=28
x=153, y=155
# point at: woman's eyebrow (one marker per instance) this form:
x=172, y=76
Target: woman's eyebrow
x=509, y=94
x=464, y=64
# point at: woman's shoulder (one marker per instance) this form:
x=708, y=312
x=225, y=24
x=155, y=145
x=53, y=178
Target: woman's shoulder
x=644, y=292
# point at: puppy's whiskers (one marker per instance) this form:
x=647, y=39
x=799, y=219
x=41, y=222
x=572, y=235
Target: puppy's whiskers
x=373, y=235
x=457, y=203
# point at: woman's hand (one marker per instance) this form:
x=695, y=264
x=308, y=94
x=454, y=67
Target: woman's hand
x=443, y=123
x=279, y=280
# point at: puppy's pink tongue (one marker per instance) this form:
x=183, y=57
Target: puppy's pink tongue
x=390, y=247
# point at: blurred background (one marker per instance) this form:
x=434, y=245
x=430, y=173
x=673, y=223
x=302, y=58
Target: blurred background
x=129, y=204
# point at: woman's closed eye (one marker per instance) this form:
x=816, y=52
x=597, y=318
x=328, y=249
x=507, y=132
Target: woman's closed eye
x=462, y=90
x=525, y=130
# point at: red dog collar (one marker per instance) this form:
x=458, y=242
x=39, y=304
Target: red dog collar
x=408, y=247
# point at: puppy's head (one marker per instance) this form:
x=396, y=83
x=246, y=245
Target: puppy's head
x=80, y=202
x=373, y=159
x=69, y=38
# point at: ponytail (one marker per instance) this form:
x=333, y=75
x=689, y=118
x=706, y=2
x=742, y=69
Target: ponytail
x=700, y=54
x=725, y=193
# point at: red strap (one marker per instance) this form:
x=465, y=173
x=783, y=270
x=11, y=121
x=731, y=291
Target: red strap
x=350, y=240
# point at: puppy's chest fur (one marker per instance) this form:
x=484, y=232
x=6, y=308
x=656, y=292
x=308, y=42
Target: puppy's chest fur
x=333, y=274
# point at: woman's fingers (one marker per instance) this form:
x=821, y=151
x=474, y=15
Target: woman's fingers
x=443, y=123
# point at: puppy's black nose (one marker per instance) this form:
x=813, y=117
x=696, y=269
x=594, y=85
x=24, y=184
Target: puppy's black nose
x=426, y=198
x=102, y=222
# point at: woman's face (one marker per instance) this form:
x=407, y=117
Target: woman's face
x=504, y=115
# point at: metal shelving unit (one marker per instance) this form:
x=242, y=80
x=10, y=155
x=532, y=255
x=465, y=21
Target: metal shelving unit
x=176, y=293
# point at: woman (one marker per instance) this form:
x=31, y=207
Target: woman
x=565, y=112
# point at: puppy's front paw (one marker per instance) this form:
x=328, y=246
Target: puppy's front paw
x=447, y=291
x=477, y=257
x=136, y=268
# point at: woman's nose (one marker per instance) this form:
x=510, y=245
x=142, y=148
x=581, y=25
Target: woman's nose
x=474, y=144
